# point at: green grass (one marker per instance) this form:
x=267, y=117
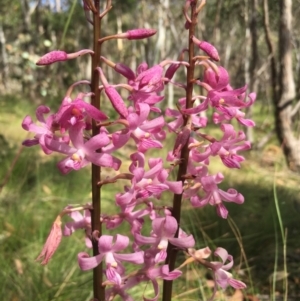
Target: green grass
x=36, y=192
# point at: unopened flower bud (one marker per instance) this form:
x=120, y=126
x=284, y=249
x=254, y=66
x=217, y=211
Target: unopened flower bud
x=60, y=56
x=52, y=57
x=116, y=101
x=120, y=68
x=171, y=70
x=125, y=71
x=140, y=33
x=113, y=95
x=208, y=48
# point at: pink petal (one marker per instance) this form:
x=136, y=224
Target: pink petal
x=86, y=262
x=113, y=276
x=139, y=174
x=60, y=147
x=157, y=189
x=105, y=243
x=141, y=240
x=146, y=144
x=221, y=210
x=104, y=160
x=76, y=135
x=125, y=71
x=141, y=67
x=91, y=110
x=125, y=198
x=222, y=253
x=169, y=275
x=121, y=138
x=143, y=110
x=236, y=283
x=156, y=291
x=175, y=187
x=97, y=142
x=136, y=258
x=171, y=70
x=232, y=196
x=156, y=123
x=120, y=244
x=183, y=243
x=40, y=111
x=200, y=108
x=133, y=120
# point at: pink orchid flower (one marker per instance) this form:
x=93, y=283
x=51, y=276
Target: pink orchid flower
x=192, y=187
x=148, y=98
x=79, y=222
x=214, y=196
x=222, y=277
x=228, y=146
x=230, y=98
x=147, y=183
x=150, y=80
x=151, y=272
x=163, y=232
x=71, y=112
x=108, y=252
x=46, y=127
x=197, y=121
x=228, y=113
x=161, y=272
x=144, y=132
x=134, y=218
x=82, y=153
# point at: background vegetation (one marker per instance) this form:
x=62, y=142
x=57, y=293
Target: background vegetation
x=34, y=191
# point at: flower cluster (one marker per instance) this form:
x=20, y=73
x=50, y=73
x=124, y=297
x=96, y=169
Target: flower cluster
x=141, y=122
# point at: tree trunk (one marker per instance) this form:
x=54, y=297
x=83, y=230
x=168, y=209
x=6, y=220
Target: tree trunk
x=287, y=93
x=283, y=86
x=4, y=57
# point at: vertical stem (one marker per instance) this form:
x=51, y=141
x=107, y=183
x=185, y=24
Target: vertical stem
x=99, y=290
x=176, y=212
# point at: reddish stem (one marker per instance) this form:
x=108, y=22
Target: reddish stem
x=99, y=290
x=172, y=252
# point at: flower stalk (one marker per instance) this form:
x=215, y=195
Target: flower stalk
x=99, y=290
x=177, y=200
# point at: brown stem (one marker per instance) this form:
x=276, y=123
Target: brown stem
x=99, y=290
x=172, y=251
